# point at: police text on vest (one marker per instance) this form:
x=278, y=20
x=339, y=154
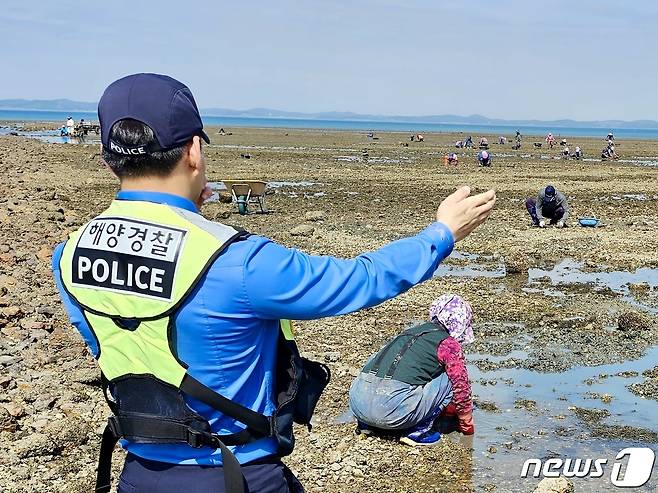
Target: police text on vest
x=128, y=256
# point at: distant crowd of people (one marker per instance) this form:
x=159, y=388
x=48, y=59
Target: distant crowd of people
x=70, y=129
x=484, y=157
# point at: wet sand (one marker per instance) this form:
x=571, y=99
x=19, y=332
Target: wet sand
x=550, y=304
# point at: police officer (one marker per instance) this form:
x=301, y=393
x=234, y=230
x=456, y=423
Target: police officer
x=188, y=318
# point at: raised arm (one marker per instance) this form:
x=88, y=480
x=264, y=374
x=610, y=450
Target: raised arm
x=301, y=286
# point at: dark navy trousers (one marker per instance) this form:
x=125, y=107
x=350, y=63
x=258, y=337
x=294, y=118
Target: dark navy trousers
x=146, y=476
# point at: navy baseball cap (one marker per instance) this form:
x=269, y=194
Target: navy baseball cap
x=550, y=191
x=164, y=104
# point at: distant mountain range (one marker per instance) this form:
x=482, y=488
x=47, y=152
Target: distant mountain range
x=46, y=105
x=68, y=105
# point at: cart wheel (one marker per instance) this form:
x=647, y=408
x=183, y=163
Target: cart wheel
x=242, y=204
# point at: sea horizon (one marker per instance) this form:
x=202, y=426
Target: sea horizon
x=228, y=122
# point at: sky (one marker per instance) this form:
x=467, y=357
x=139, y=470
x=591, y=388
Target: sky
x=513, y=59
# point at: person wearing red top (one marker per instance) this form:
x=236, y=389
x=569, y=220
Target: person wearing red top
x=418, y=376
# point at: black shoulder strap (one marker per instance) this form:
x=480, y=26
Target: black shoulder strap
x=104, y=473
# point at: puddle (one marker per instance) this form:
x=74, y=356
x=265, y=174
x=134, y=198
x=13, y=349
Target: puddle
x=279, y=148
x=476, y=266
x=218, y=186
x=550, y=428
x=619, y=282
x=555, y=392
x=374, y=159
x=389, y=160
x=639, y=197
x=50, y=136
x=651, y=162
x=296, y=184
x=349, y=159
x=552, y=293
x=522, y=414
x=631, y=196
x=517, y=354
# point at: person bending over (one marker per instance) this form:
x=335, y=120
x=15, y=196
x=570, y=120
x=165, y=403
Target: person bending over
x=419, y=376
x=451, y=158
x=484, y=158
x=550, y=207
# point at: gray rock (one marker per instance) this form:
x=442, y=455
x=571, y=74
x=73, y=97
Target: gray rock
x=38, y=334
x=332, y=356
x=49, y=311
x=555, y=485
x=44, y=402
x=516, y=263
x=71, y=432
x=88, y=376
x=302, y=230
x=315, y=216
x=9, y=360
x=632, y=322
x=35, y=445
x=11, y=312
x=7, y=421
x=15, y=409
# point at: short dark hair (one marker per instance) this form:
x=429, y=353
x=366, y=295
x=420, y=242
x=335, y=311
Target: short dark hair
x=131, y=132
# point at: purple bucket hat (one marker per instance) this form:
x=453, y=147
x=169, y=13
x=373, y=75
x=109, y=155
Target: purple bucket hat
x=456, y=314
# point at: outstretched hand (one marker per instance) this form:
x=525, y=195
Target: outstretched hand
x=462, y=213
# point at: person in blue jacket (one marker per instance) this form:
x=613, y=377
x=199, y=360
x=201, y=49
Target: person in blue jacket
x=226, y=330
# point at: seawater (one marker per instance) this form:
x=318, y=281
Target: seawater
x=362, y=125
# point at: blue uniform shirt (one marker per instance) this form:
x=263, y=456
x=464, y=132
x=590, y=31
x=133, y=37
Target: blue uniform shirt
x=227, y=330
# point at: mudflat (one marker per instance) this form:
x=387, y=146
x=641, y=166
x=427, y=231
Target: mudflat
x=564, y=363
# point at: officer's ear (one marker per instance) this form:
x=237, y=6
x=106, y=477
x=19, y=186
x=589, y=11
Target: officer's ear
x=194, y=153
x=104, y=163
